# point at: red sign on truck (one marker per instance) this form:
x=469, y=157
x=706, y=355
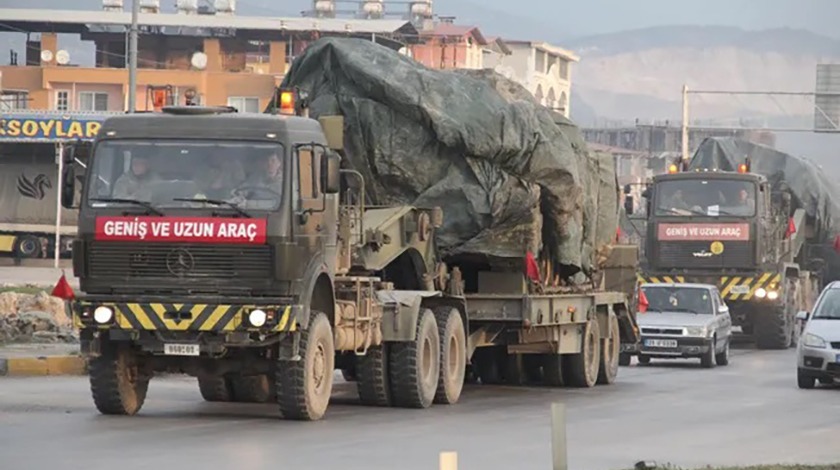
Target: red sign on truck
x=181, y=229
x=707, y=232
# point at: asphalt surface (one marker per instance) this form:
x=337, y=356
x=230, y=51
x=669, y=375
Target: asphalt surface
x=749, y=412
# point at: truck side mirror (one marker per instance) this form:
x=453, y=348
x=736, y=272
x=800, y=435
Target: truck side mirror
x=68, y=186
x=646, y=193
x=330, y=176
x=628, y=204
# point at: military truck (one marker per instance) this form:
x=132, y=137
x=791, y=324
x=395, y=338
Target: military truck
x=262, y=295
x=729, y=228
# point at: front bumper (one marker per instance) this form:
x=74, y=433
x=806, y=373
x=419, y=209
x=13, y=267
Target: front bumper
x=819, y=362
x=186, y=316
x=673, y=346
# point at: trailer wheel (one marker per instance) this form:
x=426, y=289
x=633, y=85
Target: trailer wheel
x=583, y=367
x=118, y=383
x=372, y=376
x=453, y=355
x=304, y=386
x=28, y=246
x=415, y=365
x=608, y=368
x=253, y=389
x=552, y=365
x=215, y=388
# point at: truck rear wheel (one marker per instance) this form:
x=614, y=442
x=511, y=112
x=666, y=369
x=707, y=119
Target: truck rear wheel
x=415, y=365
x=304, y=386
x=118, y=383
x=583, y=367
x=253, y=389
x=372, y=379
x=215, y=388
x=453, y=355
x=610, y=349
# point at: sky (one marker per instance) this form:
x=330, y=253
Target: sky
x=564, y=19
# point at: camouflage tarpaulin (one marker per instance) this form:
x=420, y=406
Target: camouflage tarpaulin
x=510, y=175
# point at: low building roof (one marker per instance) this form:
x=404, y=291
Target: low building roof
x=449, y=29
x=546, y=47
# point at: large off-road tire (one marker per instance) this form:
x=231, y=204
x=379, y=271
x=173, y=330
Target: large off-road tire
x=415, y=365
x=215, y=388
x=582, y=368
x=453, y=355
x=707, y=360
x=722, y=358
x=610, y=350
x=254, y=389
x=773, y=328
x=304, y=386
x=372, y=379
x=552, y=368
x=118, y=383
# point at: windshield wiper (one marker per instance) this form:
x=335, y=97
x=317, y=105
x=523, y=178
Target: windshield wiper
x=216, y=202
x=686, y=310
x=145, y=204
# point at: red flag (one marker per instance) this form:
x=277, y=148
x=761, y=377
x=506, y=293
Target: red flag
x=643, y=301
x=837, y=243
x=617, y=234
x=532, y=269
x=791, y=228
x=62, y=289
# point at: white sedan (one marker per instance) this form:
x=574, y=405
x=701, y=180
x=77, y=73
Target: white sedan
x=818, y=352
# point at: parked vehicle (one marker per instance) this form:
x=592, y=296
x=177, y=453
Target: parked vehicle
x=681, y=321
x=818, y=354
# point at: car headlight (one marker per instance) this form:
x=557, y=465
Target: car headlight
x=696, y=331
x=761, y=293
x=772, y=295
x=257, y=317
x=814, y=341
x=103, y=314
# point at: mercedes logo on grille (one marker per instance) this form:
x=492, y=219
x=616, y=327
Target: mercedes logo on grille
x=180, y=262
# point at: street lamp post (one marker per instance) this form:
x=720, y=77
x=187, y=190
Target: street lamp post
x=132, y=57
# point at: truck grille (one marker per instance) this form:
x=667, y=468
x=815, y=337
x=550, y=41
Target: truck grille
x=179, y=260
x=681, y=255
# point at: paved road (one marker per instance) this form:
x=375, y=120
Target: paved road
x=748, y=412
x=40, y=276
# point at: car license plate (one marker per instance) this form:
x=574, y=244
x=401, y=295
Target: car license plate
x=174, y=349
x=661, y=343
x=742, y=289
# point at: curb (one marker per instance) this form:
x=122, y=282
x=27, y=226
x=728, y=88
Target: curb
x=42, y=366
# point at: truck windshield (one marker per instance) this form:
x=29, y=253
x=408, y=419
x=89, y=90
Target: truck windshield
x=706, y=197
x=678, y=299
x=169, y=173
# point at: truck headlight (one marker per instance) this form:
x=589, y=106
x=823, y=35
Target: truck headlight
x=814, y=341
x=696, y=331
x=772, y=295
x=257, y=317
x=103, y=314
x=761, y=293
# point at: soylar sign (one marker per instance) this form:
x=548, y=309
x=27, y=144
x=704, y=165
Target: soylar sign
x=49, y=128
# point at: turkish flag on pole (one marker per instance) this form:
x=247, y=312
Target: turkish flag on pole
x=62, y=289
x=643, y=301
x=791, y=228
x=532, y=269
x=837, y=243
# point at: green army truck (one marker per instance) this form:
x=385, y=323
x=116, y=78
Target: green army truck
x=263, y=288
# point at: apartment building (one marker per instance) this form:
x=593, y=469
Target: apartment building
x=211, y=59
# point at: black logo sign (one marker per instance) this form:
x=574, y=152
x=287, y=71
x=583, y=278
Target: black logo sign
x=34, y=188
x=180, y=262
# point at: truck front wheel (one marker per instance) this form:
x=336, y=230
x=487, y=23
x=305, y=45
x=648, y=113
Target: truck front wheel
x=118, y=382
x=304, y=386
x=415, y=365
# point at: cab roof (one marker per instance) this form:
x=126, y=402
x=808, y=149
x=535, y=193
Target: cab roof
x=212, y=125
x=710, y=175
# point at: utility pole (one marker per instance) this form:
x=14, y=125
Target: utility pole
x=132, y=57
x=684, y=123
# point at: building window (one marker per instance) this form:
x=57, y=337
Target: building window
x=62, y=100
x=93, y=101
x=245, y=104
x=540, y=62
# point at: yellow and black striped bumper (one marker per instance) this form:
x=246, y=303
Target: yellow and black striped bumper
x=731, y=287
x=196, y=317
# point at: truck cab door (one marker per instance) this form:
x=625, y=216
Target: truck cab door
x=315, y=224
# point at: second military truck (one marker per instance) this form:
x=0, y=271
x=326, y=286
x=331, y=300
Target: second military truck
x=238, y=253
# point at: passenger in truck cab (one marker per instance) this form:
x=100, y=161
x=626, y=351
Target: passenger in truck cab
x=136, y=181
x=745, y=202
x=266, y=172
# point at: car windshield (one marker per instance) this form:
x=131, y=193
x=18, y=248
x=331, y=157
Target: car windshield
x=707, y=197
x=174, y=173
x=828, y=306
x=678, y=299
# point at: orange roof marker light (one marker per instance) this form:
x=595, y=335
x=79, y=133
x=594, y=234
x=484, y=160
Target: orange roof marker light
x=286, y=102
x=672, y=168
x=744, y=167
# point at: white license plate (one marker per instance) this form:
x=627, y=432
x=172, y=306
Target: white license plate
x=661, y=343
x=181, y=349
x=740, y=290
